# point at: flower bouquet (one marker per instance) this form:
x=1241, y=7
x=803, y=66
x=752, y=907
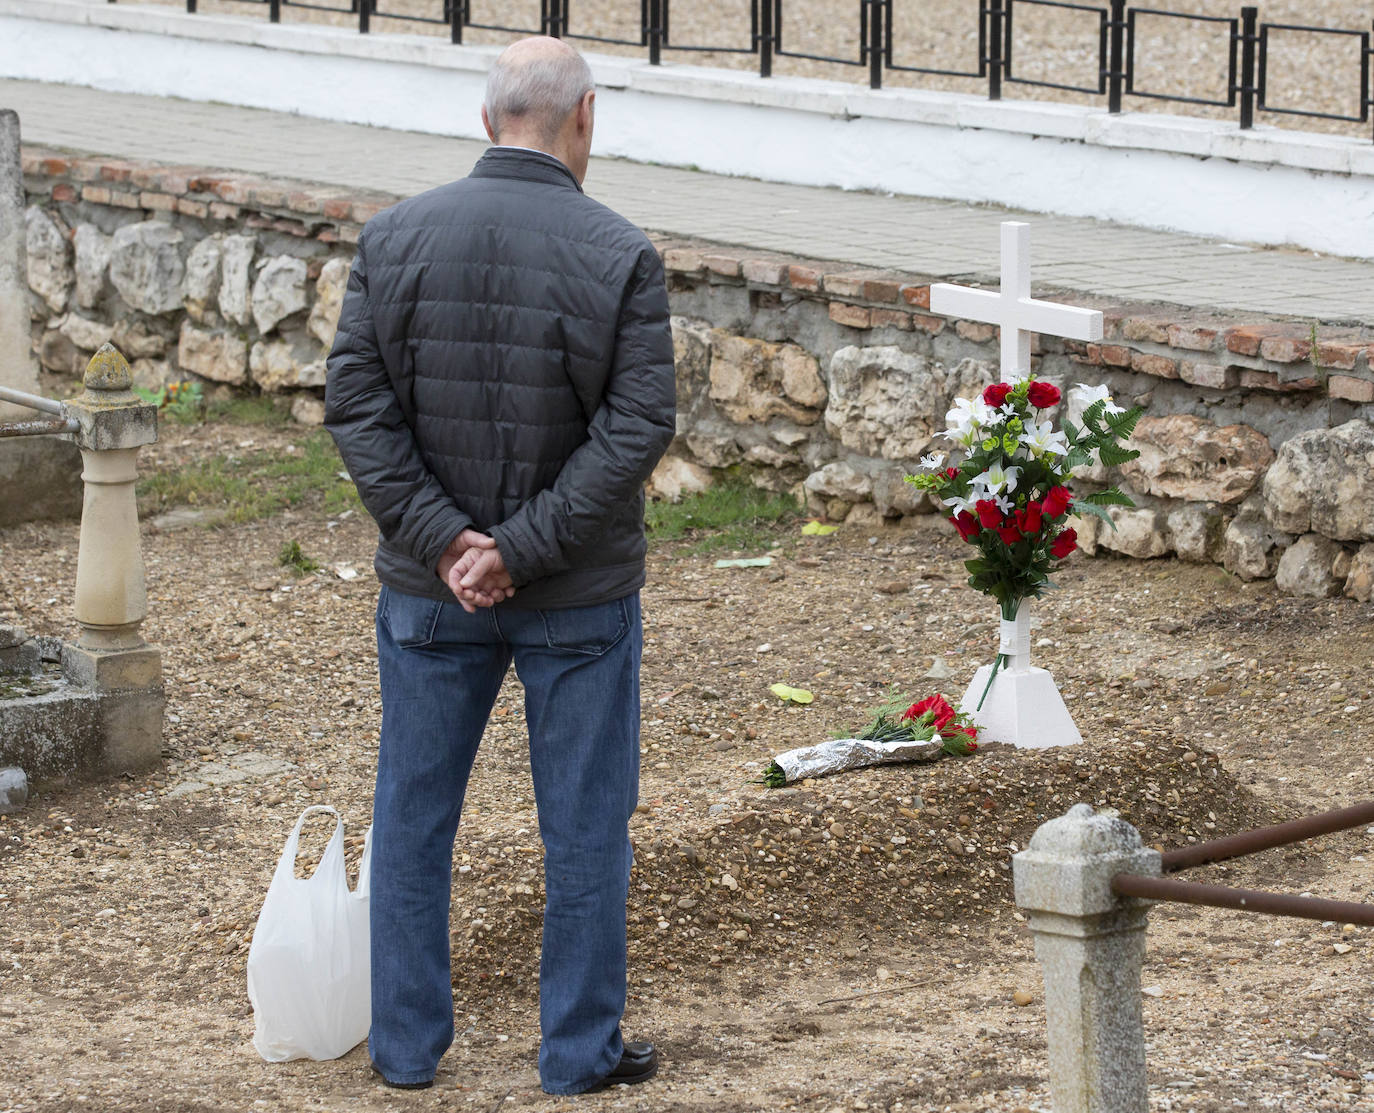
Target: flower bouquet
x=1008, y=492
x=925, y=731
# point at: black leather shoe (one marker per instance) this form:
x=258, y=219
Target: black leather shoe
x=638, y=1063
x=425, y=1085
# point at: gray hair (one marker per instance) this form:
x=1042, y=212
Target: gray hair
x=540, y=84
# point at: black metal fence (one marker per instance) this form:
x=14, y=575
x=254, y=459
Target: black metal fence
x=1248, y=43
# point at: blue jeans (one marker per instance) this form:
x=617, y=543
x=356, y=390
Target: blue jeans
x=441, y=669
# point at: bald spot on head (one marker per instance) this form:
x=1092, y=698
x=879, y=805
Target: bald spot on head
x=533, y=86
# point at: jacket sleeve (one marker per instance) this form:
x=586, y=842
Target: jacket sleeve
x=362, y=413
x=627, y=436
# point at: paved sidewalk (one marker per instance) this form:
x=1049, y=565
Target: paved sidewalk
x=917, y=235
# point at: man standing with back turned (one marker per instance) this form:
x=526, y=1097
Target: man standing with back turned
x=501, y=387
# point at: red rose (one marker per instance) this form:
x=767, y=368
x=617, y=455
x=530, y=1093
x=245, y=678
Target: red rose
x=1064, y=544
x=996, y=395
x=1057, y=501
x=1042, y=395
x=936, y=705
x=951, y=473
x=1029, y=518
x=989, y=513
x=966, y=524
x=1009, y=534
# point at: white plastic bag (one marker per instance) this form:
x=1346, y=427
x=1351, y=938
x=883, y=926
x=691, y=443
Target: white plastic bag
x=309, y=967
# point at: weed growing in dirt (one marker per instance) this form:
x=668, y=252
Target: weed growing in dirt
x=183, y=403
x=732, y=514
x=257, y=484
x=293, y=556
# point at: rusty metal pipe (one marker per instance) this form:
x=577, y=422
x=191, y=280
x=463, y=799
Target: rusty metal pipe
x=1246, y=900
x=1266, y=838
x=38, y=428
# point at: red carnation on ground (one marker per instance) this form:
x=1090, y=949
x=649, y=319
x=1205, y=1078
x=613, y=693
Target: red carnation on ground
x=1064, y=544
x=937, y=704
x=1056, y=501
x=996, y=395
x=1042, y=395
x=966, y=524
x=989, y=513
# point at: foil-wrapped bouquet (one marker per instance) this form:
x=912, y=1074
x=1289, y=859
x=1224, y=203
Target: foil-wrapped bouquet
x=924, y=731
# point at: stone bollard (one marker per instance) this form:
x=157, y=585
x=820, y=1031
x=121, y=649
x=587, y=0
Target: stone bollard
x=14, y=790
x=111, y=596
x=1090, y=944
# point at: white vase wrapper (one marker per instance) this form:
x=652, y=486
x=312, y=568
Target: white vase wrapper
x=841, y=754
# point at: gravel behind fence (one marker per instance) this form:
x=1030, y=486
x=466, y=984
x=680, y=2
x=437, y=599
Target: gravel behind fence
x=1184, y=57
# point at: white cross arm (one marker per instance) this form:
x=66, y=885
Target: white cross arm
x=1027, y=314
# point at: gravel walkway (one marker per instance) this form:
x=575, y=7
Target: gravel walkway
x=1318, y=73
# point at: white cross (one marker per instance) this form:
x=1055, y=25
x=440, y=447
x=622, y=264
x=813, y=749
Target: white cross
x=1013, y=309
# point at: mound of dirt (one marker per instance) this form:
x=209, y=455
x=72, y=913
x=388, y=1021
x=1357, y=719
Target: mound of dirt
x=897, y=850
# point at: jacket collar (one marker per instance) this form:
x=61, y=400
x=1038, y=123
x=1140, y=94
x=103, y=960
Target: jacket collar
x=524, y=165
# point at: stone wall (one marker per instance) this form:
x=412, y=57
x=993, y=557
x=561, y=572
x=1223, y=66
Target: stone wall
x=1257, y=448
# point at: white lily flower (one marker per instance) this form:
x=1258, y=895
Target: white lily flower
x=1004, y=504
x=1043, y=438
x=998, y=479
x=933, y=461
x=958, y=504
x=1087, y=395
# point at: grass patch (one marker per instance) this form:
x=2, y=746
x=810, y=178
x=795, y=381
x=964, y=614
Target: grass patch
x=256, y=484
x=733, y=514
x=257, y=409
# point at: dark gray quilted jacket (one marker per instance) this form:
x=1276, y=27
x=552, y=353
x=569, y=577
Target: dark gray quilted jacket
x=504, y=362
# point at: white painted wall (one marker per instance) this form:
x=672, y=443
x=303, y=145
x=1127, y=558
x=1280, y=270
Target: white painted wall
x=1198, y=176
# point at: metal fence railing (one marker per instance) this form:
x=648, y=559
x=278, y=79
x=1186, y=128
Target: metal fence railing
x=1119, y=45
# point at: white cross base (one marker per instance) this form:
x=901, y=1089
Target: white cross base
x=1023, y=706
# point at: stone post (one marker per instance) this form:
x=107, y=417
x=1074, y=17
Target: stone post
x=1090, y=944
x=111, y=598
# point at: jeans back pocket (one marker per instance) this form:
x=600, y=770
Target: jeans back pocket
x=592, y=630
x=409, y=619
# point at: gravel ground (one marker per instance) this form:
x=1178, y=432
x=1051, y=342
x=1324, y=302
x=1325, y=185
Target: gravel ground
x=1318, y=73
x=848, y=944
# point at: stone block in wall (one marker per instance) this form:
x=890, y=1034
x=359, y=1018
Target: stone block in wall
x=755, y=380
x=1252, y=546
x=201, y=291
x=675, y=477
x=1198, y=532
x=841, y=480
x=1089, y=529
x=84, y=333
x=329, y=292
x=278, y=291
x=152, y=374
x=146, y=266
x=219, y=356
x=1322, y=481
x=894, y=497
x=1141, y=531
x=691, y=360
x=279, y=365
x=1359, y=581
x=884, y=401
x=137, y=340
x=713, y=444
x=306, y=409
x=92, y=248
x=50, y=271
x=57, y=353
x=1190, y=458
x=1307, y=567
x=236, y=278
